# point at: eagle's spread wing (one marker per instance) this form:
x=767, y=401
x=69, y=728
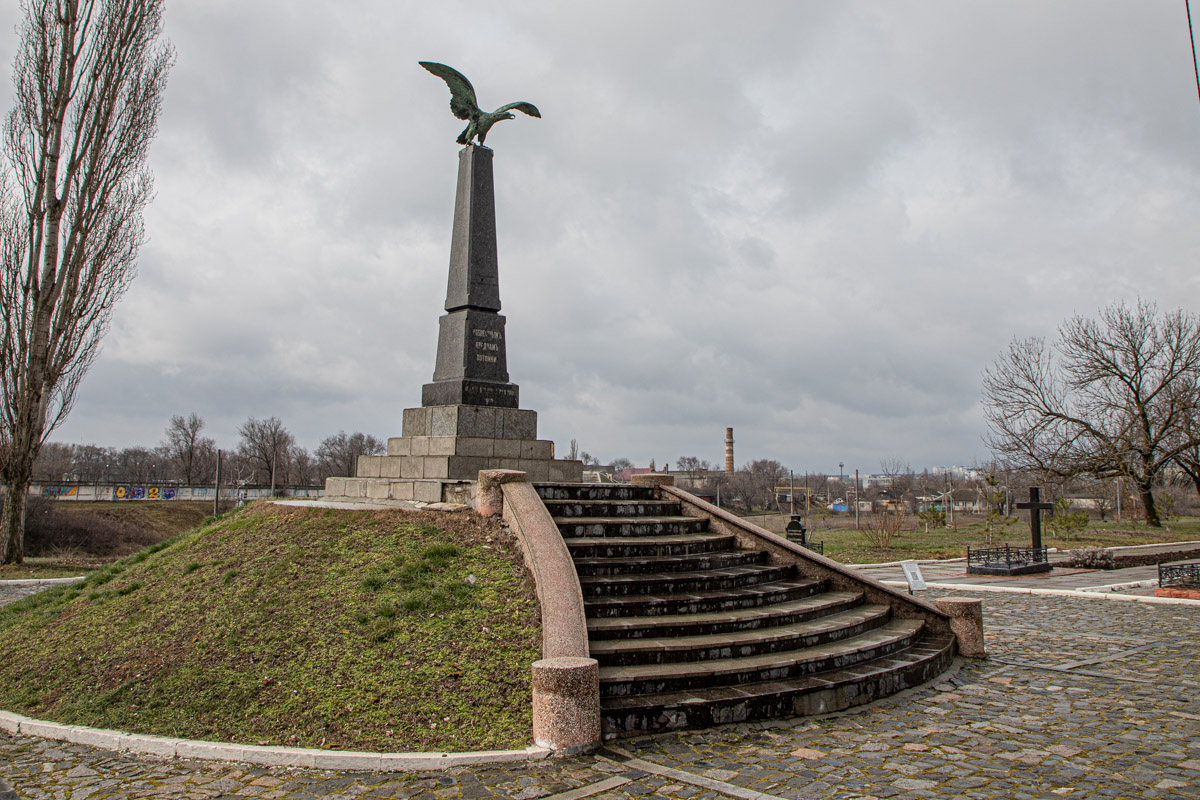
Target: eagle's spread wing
x=462, y=94
x=528, y=108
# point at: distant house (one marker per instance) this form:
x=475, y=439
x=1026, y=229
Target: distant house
x=967, y=500
x=625, y=475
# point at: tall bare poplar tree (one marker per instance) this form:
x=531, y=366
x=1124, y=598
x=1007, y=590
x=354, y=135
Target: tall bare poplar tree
x=89, y=78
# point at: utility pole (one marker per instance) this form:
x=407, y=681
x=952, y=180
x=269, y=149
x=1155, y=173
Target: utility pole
x=950, y=501
x=217, y=493
x=855, y=499
x=274, y=455
x=807, y=496
x=792, y=493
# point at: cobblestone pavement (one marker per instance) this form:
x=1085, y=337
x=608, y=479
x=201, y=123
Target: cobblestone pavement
x=1079, y=699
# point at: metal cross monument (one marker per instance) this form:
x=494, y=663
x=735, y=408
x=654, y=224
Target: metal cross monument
x=1036, y=507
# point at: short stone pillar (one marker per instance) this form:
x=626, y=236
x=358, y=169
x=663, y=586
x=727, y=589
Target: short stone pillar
x=652, y=479
x=489, y=501
x=566, y=704
x=966, y=623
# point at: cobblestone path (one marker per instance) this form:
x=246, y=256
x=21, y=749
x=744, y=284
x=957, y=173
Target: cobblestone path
x=1080, y=699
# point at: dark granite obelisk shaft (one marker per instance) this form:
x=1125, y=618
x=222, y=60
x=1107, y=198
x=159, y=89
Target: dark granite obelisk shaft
x=472, y=362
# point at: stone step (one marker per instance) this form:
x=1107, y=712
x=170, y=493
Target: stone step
x=576, y=527
x=713, y=622
x=596, y=547
x=659, y=564
x=879, y=642
x=821, y=693
x=678, y=582
x=760, y=641
x=762, y=594
x=594, y=491
x=613, y=508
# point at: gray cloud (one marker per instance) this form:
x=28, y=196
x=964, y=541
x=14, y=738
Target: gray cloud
x=815, y=222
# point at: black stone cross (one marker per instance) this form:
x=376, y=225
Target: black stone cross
x=1036, y=507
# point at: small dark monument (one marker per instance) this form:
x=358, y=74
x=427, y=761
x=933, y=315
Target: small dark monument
x=796, y=532
x=1009, y=560
x=470, y=418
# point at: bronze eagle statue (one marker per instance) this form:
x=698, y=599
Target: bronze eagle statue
x=464, y=105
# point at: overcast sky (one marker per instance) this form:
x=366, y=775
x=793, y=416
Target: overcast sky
x=816, y=222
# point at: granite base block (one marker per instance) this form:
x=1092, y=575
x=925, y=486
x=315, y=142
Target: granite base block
x=966, y=623
x=485, y=422
x=566, y=471
x=366, y=490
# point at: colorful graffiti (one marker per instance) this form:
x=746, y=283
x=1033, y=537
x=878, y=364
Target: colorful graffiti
x=144, y=493
x=59, y=491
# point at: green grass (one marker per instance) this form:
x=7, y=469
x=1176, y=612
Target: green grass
x=283, y=625
x=845, y=544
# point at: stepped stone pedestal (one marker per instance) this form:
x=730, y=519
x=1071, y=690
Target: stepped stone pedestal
x=469, y=419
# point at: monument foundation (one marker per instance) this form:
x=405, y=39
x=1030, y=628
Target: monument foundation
x=470, y=419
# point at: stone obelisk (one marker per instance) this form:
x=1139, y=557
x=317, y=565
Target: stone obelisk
x=469, y=419
x=472, y=363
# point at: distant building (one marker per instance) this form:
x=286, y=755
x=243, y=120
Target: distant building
x=958, y=472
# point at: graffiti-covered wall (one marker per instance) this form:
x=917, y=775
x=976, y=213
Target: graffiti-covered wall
x=127, y=491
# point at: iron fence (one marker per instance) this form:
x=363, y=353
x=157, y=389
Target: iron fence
x=1180, y=573
x=1008, y=555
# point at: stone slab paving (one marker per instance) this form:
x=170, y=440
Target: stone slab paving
x=1061, y=577
x=1079, y=699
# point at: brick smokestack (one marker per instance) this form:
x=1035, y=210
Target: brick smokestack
x=729, y=451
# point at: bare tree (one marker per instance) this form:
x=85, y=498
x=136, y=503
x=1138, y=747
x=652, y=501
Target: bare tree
x=899, y=473
x=139, y=465
x=186, y=448
x=265, y=445
x=619, y=464
x=89, y=78
x=55, y=462
x=1189, y=462
x=1115, y=396
x=301, y=467
x=693, y=466
x=755, y=483
x=337, y=456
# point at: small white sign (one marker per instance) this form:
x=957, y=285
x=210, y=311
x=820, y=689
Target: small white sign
x=912, y=574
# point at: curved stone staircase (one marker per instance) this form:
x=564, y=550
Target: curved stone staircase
x=692, y=627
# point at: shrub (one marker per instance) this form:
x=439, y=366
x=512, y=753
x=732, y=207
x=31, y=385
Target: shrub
x=1091, y=558
x=49, y=530
x=1064, y=522
x=881, y=528
x=932, y=517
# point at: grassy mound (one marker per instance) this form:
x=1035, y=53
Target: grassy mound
x=374, y=630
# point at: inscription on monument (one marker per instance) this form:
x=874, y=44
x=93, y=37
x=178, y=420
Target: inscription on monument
x=488, y=344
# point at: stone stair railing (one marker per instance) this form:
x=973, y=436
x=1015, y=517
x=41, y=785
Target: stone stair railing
x=566, y=682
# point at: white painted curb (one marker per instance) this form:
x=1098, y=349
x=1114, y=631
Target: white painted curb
x=254, y=754
x=1120, y=587
x=1132, y=598
x=41, y=581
